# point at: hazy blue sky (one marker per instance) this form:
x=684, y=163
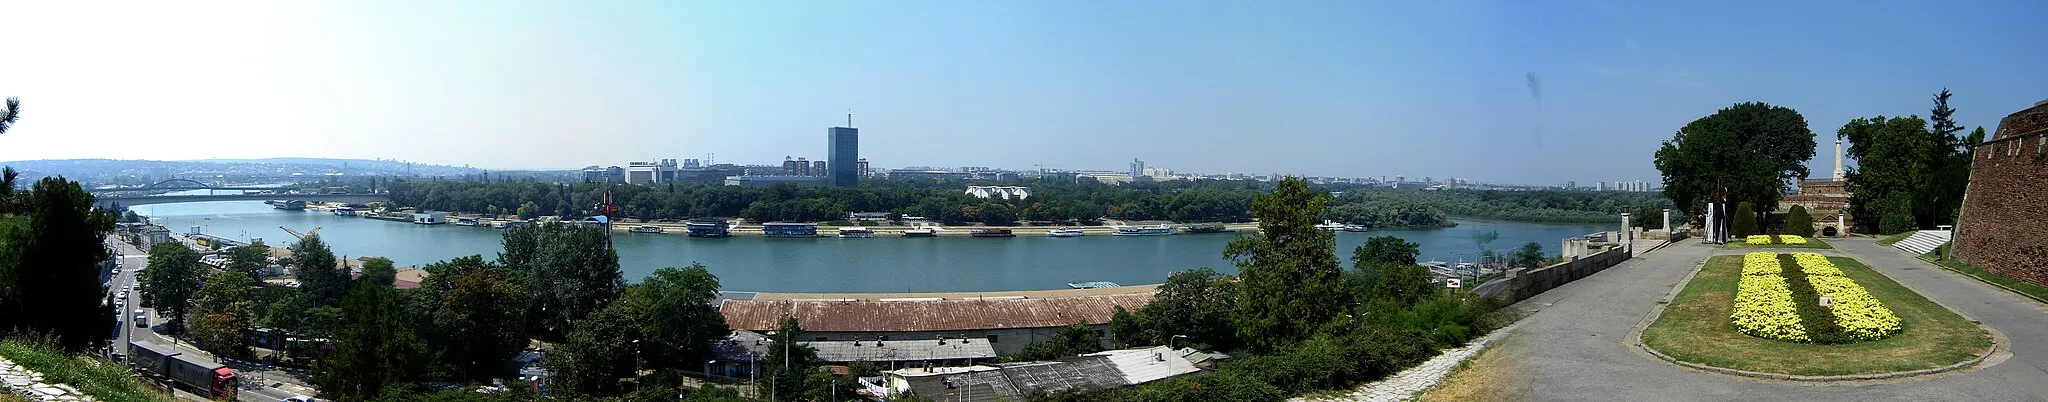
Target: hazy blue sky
x=1342, y=88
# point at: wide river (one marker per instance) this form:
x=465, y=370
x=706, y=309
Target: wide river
x=883, y=264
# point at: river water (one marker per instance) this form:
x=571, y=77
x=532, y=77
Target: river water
x=883, y=264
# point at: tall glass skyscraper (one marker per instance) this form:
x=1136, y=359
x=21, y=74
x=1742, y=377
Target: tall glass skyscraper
x=843, y=149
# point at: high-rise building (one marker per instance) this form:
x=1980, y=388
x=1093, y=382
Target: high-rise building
x=862, y=166
x=818, y=168
x=792, y=167
x=843, y=152
x=1137, y=167
x=803, y=167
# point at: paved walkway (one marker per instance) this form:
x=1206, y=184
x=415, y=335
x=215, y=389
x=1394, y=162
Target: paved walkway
x=1577, y=342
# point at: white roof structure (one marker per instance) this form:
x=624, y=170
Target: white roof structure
x=1140, y=366
x=1002, y=192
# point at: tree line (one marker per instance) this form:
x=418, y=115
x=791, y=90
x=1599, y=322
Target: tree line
x=1910, y=172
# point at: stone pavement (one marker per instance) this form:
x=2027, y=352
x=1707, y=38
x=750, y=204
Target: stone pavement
x=1405, y=384
x=1578, y=342
x=18, y=380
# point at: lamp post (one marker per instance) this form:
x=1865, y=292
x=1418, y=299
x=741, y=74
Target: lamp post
x=636, y=364
x=1169, y=341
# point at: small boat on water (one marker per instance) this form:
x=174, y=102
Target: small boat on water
x=1330, y=225
x=921, y=231
x=344, y=211
x=1207, y=228
x=1357, y=228
x=510, y=224
x=855, y=232
x=1092, y=285
x=465, y=221
x=644, y=229
x=993, y=233
x=1065, y=232
x=288, y=205
x=1147, y=230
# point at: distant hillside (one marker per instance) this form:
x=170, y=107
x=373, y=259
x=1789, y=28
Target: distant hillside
x=116, y=171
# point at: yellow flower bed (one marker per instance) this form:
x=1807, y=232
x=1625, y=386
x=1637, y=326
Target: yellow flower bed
x=1759, y=240
x=1861, y=316
x=1763, y=301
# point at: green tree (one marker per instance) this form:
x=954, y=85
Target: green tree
x=49, y=271
x=600, y=351
x=528, y=210
x=475, y=310
x=11, y=115
x=573, y=272
x=1291, y=282
x=1743, y=222
x=1127, y=329
x=1480, y=238
x=1529, y=256
x=249, y=259
x=1648, y=217
x=171, y=281
x=1798, y=223
x=1752, y=149
x=677, y=318
x=379, y=270
x=1369, y=260
x=997, y=214
x=376, y=349
x=223, y=313
x=1404, y=285
x=7, y=194
x=1908, y=174
x=314, y=265
x=789, y=363
x=1197, y=303
x=1075, y=339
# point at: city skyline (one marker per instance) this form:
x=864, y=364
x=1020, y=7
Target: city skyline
x=1527, y=94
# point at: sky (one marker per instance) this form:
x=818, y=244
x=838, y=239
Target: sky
x=1505, y=92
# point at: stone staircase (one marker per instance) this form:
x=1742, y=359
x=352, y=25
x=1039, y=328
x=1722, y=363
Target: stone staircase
x=1923, y=241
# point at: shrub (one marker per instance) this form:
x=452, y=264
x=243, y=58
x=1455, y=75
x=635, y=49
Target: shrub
x=1213, y=386
x=1798, y=222
x=1744, y=223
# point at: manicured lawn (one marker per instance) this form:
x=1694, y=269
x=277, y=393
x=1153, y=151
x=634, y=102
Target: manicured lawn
x=1888, y=240
x=1811, y=243
x=2038, y=291
x=104, y=380
x=1695, y=328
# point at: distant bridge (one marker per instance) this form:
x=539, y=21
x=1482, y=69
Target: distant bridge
x=107, y=202
x=175, y=185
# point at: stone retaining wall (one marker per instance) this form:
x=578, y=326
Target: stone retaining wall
x=1523, y=284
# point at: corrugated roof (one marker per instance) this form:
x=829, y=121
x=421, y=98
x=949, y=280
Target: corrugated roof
x=1073, y=373
x=1140, y=366
x=903, y=350
x=927, y=315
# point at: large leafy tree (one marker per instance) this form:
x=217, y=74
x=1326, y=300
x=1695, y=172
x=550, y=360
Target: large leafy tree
x=1291, y=282
x=598, y=353
x=573, y=272
x=223, y=311
x=314, y=265
x=475, y=309
x=1752, y=149
x=1910, y=173
x=376, y=349
x=789, y=363
x=1196, y=303
x=171, y=281
x=49, y=271
x=1371, y=260
x=249, y=259
x=676, y=316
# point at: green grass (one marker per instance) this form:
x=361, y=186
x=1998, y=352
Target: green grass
x=1695, y=328
x=2030, y=289
x=103, y=380
x=1889, y=239
x=1811, y=243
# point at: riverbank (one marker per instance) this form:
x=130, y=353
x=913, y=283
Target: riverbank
x=826, y=230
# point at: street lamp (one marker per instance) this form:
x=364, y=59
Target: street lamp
x=636, y=364
x=1169, y=341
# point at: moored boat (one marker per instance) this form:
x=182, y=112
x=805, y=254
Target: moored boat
x=855, y=232
x=789, y=230
x=1330, y=225
x=1147, y=230
x=288, y=205
x=1357, y=228
x=344, y=211
x=993, y=233
x=708, y=227
x=1092, y=285
x=645, y=229
x=465, y=221
x=921, y=231
x=1065, y=232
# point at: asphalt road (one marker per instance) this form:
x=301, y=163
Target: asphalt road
x=260, y=383
x=1577, y=345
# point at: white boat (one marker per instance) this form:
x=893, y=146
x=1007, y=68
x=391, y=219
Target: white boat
x=465, y=222
x=921, y=231
x=1147, y=230
x=1357, y=228
x=344, y=211
x=645, y=229
x=1065, y=232
x=855, y=232
x=1330, y=225
x=1092, y=285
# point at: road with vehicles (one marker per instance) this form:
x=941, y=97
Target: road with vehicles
x=259, y=382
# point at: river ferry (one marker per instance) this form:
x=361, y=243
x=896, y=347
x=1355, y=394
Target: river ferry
x=993, y=233
x=1147, y=230
x=789, y=230
x=1357, y=228
x=465, y=221
x=288, y=205
x=855, y=232
x=1330, y=225
x=344, y=211
x=922, y=231
x=1092, y=285
x=1065, y=232
x=644, y=229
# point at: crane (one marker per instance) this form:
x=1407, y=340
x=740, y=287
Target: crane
x=295, y=233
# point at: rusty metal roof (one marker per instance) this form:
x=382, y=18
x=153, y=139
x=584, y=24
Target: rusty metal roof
x=927, y=315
